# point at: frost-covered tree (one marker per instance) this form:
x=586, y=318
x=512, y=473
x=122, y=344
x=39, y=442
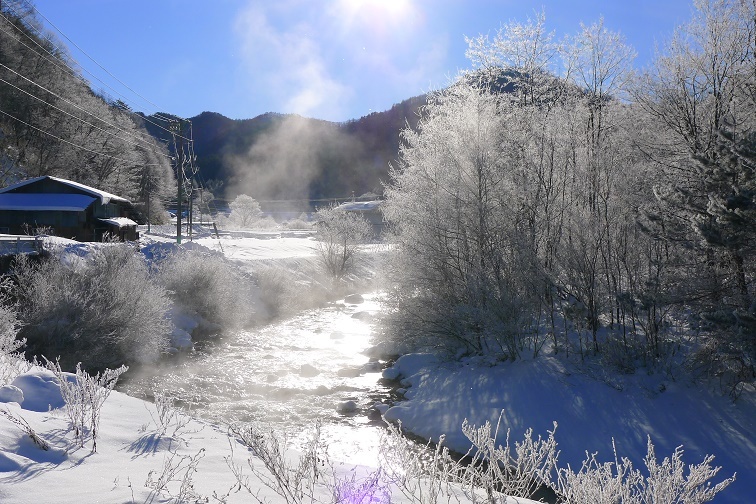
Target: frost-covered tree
x=523, y=58
x=699, y=96
x=339, y=236
x=462, y=269
x=245, y=211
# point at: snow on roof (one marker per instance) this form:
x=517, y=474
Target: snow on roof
x=119, y=221
x=360, y=206
x=47, y=201
x=104, y=197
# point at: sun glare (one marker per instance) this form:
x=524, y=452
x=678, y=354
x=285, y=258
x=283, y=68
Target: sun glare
x=391, y=8
x=376, y=13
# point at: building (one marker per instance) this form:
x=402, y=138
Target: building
x=60, y=207
x=370, y=210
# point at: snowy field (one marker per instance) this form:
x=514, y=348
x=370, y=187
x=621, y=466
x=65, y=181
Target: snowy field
x=591, y=410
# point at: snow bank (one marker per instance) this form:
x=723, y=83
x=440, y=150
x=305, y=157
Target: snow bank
x=590, y=412
x=133, y=450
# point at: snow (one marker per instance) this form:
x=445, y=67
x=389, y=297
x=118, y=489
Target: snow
x=52, y=202
x=360, y=206
x=591, y=410
x=131, y=448
x=103, y=196
x=119, y=221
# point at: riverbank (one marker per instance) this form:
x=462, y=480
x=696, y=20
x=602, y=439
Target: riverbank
x=594, y=412
x=591, y=410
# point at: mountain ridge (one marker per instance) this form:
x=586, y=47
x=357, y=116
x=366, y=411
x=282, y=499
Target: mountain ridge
x=287, y=156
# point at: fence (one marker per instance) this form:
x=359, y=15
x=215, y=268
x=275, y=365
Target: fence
x=16, y=244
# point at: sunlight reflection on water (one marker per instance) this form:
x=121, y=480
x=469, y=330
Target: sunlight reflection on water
x=285, y=375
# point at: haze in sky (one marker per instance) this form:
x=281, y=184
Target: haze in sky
x=328, y=59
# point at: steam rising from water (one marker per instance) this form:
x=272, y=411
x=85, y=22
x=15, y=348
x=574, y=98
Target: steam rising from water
x=287, y=159
x=284, y=376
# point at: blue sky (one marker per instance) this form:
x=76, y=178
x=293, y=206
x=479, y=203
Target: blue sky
x=328, y=59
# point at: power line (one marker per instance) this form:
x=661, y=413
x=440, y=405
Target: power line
x=91, y=58
x=64, y=68
x=84, y=110
x=73, y=144
x=67, y=69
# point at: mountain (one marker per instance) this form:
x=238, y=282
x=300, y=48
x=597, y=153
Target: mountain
x=289, y=157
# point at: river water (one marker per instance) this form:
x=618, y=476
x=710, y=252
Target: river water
x=285, y=376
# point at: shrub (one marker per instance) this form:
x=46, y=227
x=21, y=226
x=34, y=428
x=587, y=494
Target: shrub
x=11, y=361
x=102, y=310
x=620, y=482
x=208, y=285
x=284, y=291
x=518, y=470
x=295, y=484
x=300, y=223
x=487, y=473
x=339, y=235
x=84, y=396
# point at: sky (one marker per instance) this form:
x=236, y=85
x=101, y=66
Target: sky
x=328, y=59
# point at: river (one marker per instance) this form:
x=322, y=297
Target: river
x=285, y=376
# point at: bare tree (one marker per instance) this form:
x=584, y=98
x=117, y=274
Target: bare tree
x=340, y=234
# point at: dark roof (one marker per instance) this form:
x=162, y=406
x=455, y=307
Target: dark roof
x=45, y=201
x=103, y=196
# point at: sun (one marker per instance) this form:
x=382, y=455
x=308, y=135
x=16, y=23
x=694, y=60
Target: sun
x=387, y=14
x=390, y=8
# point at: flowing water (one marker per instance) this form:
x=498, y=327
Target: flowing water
x=285, y=376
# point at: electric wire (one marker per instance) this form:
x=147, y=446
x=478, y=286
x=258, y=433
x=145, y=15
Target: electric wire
x=145, y=144
x=92, y=59
x=65, y=68
x=72, y=73
x=72, y=143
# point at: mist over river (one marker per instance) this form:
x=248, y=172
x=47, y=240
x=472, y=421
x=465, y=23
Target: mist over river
x=285, y=376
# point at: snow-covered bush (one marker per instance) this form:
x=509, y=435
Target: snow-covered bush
x=102, y=310
x=339, y=235
x=619, y=481
x=295, y=483
x=169, y=417
x=12, y=362
x=423, y=476
x=208, y=285
x=487, y=473
x=178, y=471
x=300, y=223
x=519, y=470
x=84, y=396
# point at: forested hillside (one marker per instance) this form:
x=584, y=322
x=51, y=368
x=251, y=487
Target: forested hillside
x=52, y=123
x=277, y=156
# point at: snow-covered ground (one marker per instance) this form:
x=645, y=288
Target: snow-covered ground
x=590, y=411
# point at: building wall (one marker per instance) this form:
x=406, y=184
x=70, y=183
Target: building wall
x=77, y=225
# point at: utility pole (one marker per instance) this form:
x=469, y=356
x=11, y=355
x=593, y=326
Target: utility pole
x=190, y=222
x=149, y=190
x=178, y=146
